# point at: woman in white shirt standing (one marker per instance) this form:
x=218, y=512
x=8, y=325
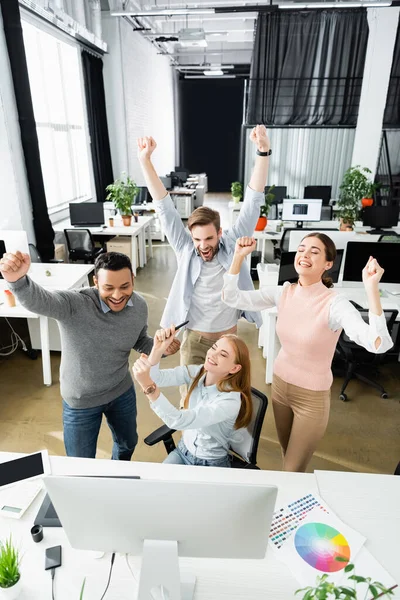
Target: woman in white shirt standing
x=310, y=319
x=218, y=401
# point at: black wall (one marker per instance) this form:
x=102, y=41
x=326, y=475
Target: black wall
x=210, y=124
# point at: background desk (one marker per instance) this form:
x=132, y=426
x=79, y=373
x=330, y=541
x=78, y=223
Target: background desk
x=43, y=331
x=369, y=503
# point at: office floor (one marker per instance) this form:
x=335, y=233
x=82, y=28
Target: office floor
x=362, y=435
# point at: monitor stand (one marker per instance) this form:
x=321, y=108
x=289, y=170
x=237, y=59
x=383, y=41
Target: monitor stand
x=381, y=231
x=160, y=577
x=299, y=224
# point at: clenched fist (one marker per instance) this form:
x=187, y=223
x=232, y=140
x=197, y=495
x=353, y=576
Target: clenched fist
x=14, y=266
x=245, y=246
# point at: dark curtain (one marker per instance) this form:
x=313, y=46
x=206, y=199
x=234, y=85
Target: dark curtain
x=210, y=127
x=391, y=117
x=307, y=67
x=98, y=129
x=16, y=51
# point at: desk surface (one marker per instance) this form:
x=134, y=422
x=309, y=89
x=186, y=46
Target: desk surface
x=134, y=229
x=367, y=502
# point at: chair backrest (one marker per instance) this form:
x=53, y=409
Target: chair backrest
x=34, y=254
x=246, y=440
x=326, y=213
x=390, y=237
x=390, y=316
x=79, y=239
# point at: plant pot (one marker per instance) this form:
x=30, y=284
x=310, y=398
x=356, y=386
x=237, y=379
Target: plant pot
x=236, y=199
x=126, y=219
x=346, y=225
x=261, y=223
x=367, y=202
x=11, y=593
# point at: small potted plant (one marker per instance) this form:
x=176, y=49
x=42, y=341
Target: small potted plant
x=264, y=209
x=355, y=187
x=122, y=194
x=10, y=575
x=237, y=191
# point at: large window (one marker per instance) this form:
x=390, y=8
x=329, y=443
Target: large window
x=56, y=86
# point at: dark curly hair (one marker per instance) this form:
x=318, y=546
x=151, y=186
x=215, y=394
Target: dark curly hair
x=112, y=261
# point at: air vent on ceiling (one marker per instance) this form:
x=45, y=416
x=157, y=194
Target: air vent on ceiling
x=190, y=38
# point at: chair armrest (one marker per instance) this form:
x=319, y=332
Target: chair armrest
x=162, y=434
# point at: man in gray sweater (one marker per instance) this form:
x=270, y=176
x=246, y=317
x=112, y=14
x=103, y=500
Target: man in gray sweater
x=99, y=326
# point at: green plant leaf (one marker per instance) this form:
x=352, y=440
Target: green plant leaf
x=348, y=568
x=83, y=588
x=358, y=578
x=9, y=564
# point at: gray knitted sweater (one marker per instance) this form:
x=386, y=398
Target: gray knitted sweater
x=95, y=345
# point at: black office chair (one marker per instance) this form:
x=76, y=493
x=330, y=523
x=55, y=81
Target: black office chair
x=142, y=195
x=81, y=245
x=36, y=258
x=326, y=213
x=390, y=237
x=358, y=358
x=244, y=451
x=324, y=192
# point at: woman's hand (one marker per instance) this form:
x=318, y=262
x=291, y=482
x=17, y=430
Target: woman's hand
x=372, y=273
x=146, y=147
x=163, y=339
x=260, y=138
x=245, y=246
x=141, y=371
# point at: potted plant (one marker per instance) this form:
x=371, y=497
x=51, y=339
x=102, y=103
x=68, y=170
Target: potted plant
x=324, y=589
x=355, y=187
x=264, y=209
x=237, y=191
x=10, y=575
x=122, y=194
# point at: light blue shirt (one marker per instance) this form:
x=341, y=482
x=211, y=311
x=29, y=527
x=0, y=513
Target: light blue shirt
x=208, y=423
x=105, y=308
x=189, y=262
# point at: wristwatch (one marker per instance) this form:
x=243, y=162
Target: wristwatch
x=150, y=389
x=264, y=153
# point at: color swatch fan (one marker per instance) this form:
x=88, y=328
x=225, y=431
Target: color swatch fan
x=321, y=545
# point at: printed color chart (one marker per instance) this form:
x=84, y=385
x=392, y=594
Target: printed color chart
x=320, y=545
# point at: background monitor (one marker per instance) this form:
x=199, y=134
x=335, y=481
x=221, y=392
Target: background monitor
x=339, y=238
x=279, y=192
x=287, y=272
x=142, y=197
x=301, y=210
x=86, y=214
x=319, y=191
x=166, y=180
x=387, y=255
x=380, y=217
x=183, y=175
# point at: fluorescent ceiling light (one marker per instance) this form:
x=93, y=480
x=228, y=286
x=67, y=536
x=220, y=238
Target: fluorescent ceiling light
x=205, y=77
x=203, y=67
x=193, y=43
x=164, y=12
x=334, y=5
x=213, y=73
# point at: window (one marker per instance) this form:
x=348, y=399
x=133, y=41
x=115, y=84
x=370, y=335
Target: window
x=57, y=96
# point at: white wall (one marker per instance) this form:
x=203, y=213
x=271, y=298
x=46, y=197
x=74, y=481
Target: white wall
x=139, y=96
x=15, y=203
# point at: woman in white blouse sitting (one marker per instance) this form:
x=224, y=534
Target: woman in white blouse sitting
x=310, y=319
x=218, y=401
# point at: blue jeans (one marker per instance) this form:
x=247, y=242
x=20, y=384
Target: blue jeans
x=182, y=456
x=82, y=426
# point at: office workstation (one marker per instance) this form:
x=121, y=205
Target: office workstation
x=117, y=124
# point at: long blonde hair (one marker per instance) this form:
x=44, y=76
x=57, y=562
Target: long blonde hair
x=234, y=382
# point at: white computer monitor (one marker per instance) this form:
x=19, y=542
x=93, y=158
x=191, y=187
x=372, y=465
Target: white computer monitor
x=339, y=238
x=301, y=210
x=15, y=240
x=162, y=520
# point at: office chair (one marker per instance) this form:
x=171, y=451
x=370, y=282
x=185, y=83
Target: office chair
x=390, y=237
x=243, y=452
x=326, y=213
x=81, y=245
x=280, y=193
x=357, y=358
x=318, y=191
x=36, y=258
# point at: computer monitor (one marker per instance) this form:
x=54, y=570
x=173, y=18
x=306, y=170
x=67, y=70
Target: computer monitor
x=387, y=255
x=301, y=210
x=182, y=174
x=86, y=214
x=287, y=272
x=148, y=517
x=380, y=217
x=166, y=180
x=142, y=196
x=339, y=238
x=279, y=192
x=15, y=240
x=324, y=192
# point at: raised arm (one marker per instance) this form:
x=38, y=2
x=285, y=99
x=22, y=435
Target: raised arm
x=260, y=138
x=243, y=299
x=146, y=147
x=32, y=296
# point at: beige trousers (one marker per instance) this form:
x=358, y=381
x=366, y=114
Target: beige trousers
x=301, y=418
x=193, y=352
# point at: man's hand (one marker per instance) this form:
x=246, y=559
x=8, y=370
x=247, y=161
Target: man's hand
x=163, y=340
x=14, y=266
x=245, y=246
x=260, y=137
x=146, y=147
x=173, y=348
x=372, y=273
x=141, y=371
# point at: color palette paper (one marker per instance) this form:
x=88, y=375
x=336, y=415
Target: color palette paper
x=320, y=545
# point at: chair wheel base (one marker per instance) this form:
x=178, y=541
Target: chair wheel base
x=385, y=396
x=343, y=398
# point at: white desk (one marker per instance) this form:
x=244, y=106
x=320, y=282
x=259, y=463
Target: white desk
x=137, y=232
x=63, y=277
x=269, y=340
x=369, y=503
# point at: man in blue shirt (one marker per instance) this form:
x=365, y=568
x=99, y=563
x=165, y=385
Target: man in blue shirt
x=204, y=253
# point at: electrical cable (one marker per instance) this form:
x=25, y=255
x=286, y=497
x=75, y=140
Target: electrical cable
x=15, y=340
x=109, y=576
x=53, y=571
